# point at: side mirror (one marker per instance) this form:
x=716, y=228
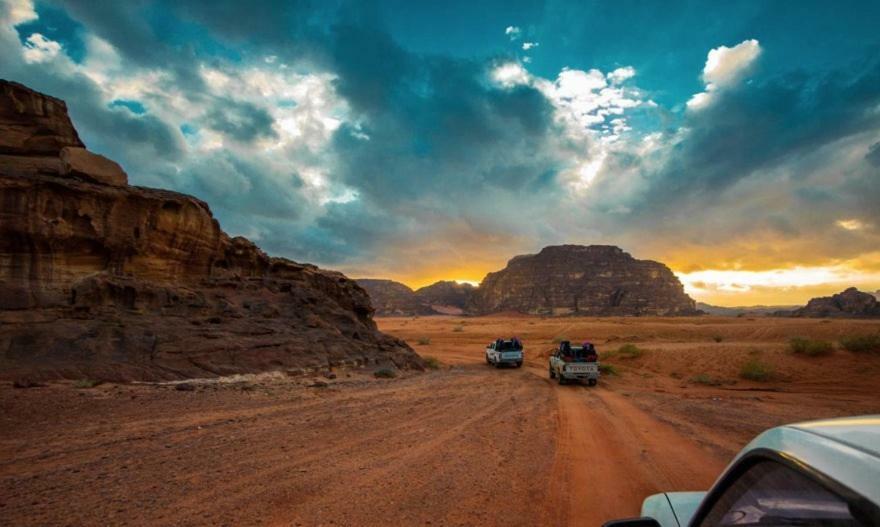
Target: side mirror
x=633, y=522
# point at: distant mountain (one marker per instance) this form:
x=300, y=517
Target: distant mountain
x=559, y=280
x=851, y=303
x=583, y=280
x=392, y=298
x=724, y=311
x=446, y=297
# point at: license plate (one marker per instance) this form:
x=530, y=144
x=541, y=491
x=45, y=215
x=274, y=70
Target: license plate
x=583, y=369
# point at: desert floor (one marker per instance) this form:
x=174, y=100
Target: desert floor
x=465, y=444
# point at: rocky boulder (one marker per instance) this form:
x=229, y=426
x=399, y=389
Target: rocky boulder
x=585, y=280
x=105, y=281
x=850, y=303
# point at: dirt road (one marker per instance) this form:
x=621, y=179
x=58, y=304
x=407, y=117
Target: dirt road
x=463, y=445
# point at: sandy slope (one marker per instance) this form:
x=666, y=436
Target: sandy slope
x=464, y=445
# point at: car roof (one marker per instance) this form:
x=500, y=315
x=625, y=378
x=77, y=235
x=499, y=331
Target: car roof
x=859, y=432
x=846, y=450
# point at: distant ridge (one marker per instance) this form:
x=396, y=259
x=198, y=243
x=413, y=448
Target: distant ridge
x=559, y=280
x=850, y=303
x=724, y=311
x=390, y=298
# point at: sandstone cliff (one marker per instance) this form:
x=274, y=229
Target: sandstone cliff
x=100, y=279
x=591, y=280
x=850, y=303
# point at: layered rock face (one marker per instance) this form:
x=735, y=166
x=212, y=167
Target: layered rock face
x=851, y=303
x=100, y=279
x=573, y=279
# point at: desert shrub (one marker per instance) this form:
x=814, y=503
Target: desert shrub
x=86, y=383
x=755, y=370
x=717, y=338
x=458, y=329
x=861, y=343
x=608, y=369
x=810, y=347
x=432, y=363
x=706, y=379
x=423, y=341
x=385, y=373
x=630, y=351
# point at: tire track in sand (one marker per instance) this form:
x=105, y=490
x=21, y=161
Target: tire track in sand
x=610, y=455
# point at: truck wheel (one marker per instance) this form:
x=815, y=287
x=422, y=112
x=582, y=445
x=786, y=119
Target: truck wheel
x=519, y=364
x=487, y=360
x=498, y=364
x=552, y=374
x=592, y=382
x=561, y=379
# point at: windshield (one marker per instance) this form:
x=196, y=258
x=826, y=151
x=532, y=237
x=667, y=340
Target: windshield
x=509, y=345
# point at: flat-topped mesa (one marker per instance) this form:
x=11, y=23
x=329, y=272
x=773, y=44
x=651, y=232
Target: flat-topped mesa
x=586, y=280
x=100, y=279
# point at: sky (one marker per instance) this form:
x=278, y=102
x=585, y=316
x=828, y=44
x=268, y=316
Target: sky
x=736, y=142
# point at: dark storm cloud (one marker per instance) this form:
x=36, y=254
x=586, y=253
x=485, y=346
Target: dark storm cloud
x=130, y=28
x=240, y=120
x=243, y=187
x=873, y=155
x=763, y=124
x=436, y=127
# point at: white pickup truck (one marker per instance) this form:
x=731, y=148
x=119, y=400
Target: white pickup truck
x=503, y=352
x=575, y=363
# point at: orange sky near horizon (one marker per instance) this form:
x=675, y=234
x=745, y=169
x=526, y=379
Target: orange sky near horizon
x=792, y=285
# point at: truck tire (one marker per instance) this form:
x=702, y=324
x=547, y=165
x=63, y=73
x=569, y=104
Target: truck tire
x=561, y=379
x=552, y=374
x=519, y=364
x=592, y=382
x=498, y=364
x=487, y=360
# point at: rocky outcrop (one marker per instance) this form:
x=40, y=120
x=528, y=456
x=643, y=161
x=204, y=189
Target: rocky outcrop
x=99, y=279
x=574, y=279
x=446, y=297
x=393, y=299
x=850, y=303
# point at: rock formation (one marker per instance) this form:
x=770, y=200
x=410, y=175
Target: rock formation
x=446, y=297
x=392, y=298
x=591, y=280
x=851, y=303
x=102, y=280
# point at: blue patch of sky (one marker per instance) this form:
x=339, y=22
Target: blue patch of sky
x=55, y=24
x=133, y=106
x=666, y=42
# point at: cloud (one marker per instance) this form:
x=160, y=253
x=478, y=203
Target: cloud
x=724, y=68
x=40, y=49
x=510, y=74
x=529, y=45
x=621, y=74
x=314, y=130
